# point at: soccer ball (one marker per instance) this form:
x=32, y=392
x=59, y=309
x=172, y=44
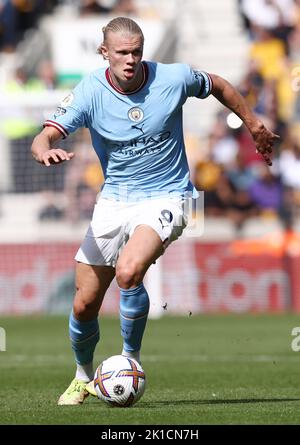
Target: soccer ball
x=119, y=381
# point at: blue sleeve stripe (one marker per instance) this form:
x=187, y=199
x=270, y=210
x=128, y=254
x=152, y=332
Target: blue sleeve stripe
x=206, y=87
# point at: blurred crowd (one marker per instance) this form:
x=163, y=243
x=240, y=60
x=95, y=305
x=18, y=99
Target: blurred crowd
x=81, y=182
x=17, y=16
x=238, y=184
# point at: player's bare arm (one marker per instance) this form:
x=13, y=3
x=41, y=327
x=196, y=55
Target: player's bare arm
x=232, y=99
x=43, y=151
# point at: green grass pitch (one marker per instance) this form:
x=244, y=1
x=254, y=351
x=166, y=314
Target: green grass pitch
x=209, y=369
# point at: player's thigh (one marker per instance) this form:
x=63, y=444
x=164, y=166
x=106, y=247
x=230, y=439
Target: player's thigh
x=141, y=250
x=92, y=283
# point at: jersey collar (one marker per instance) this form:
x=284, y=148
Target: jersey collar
x=143, y=83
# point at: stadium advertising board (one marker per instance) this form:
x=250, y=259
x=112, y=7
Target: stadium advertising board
x=38, y=278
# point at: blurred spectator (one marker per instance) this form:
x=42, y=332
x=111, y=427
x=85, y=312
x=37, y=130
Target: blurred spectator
x=52, y=210
x=43, y=79
x=289, y=159
x=19, y=124
x=93, y=7
x=251, y=86
x=276, y=16
x=17, y=16
x=223, y=146
x=219, y=199
x=241, y=175
x=266, y=191
x=17, y=83
x=268, y=55
x=207, y=174
x=83, y=180
x=195, y=155
x=126, y=7
x=246, y=146
x=294, y=44
x=294, y=56
x=225, y=200
x=47, y=75
x=117, y=7
x=8, y=26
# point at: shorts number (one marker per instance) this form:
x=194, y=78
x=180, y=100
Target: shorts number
x=167, y=215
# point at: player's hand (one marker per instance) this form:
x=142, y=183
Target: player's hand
x=55, y=156
x=264, y=140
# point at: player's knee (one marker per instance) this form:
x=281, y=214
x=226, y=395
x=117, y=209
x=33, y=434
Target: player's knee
x=85, y=309
x=129, y=275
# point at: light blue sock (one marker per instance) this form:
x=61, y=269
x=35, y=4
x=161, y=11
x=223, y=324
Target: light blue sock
x=84, y=337
x=134, y=308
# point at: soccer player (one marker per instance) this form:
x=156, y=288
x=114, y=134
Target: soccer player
x=133, y=110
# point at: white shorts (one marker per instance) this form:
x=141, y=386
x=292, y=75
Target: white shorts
x=114, y=222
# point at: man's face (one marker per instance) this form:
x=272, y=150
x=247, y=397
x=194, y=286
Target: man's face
x=124, y=52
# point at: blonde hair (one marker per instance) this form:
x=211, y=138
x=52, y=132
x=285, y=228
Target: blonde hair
x=123, y=25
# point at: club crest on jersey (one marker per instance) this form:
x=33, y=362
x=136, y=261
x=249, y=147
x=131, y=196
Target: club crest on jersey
x=135, y=114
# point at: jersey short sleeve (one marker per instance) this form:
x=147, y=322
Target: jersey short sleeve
x=71, y=112
x=199, y=83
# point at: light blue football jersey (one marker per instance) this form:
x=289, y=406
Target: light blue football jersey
x=138, y=136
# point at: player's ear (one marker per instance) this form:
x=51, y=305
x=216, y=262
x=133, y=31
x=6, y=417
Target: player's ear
x=104, y=51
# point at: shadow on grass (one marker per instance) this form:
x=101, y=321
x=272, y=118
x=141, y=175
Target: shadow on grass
x=169, y=403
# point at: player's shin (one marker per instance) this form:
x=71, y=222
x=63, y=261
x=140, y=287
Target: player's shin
x=84, y=337
x=134, y=308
